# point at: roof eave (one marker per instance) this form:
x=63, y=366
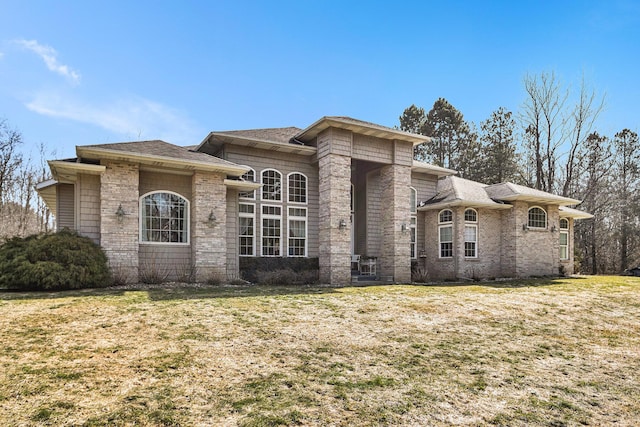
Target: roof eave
x=466, y=203
x=558, y=200
x=149, y=159
x=225, y=138
x=326, y=122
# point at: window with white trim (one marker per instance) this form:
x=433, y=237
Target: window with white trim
x=413, y=199
x=249, y=176
x=271, y=185
x=246, y=229
x=445, y=233
x=564, y=239
x=537, y=217
x=470, y=233
x=297, y=241
x=297, y=189
x=271, y=230
x=164, y=218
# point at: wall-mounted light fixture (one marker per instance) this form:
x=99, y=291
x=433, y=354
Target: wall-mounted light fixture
x=403, y=227
x=212, y=218
x=525, y=227
x=342, y=224
x=553, y=228
x=120, y=213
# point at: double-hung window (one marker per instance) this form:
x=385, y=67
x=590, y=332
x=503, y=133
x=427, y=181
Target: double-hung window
x=297, y=241
x=271, y=230
x=271, y=185
x=564, y=239
x=247, y=233
x=297, y=188
x=445, y=233
x=470, y=233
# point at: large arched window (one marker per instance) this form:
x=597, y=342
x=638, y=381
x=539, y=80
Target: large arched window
x=297, y=190
x=537, y=217
x=271, y=185
x=445, y=233
x=164, y=218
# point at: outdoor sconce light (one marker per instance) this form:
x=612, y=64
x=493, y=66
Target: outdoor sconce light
x=403, y=227
x=423, y=253
x=212, y=218
x=553, y=228
x=342, y=224
x=120, y=213
x=525, y=227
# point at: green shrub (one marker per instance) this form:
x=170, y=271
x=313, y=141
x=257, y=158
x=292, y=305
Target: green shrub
x=63, y=260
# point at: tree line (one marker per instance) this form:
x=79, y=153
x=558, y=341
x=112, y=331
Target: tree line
x=551, y=143
x=22, y=212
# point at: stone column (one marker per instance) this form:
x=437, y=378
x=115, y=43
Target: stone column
x=395, y=259
x=208, y=238
x=119, y=236
x=334, y=242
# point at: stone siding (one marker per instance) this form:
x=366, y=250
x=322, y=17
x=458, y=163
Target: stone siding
x=119, y=237
x=208, y=240
x=395, y=253
x=335, y=242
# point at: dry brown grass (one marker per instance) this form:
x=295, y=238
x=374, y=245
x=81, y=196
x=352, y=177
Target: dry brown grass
x=541, y=352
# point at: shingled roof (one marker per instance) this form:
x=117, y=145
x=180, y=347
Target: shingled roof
x=159, y=153
x=456, y=191
x=509, y=191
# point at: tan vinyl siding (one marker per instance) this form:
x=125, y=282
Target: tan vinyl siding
x=89, y=206
x=163, y=181
x=403, y=153
x=172, y=262
x=65, y=216
x=425, y=186
x=284, y=163
x=374, y=214
x=372, y=149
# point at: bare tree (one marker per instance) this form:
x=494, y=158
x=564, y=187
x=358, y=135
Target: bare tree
x=582, y=118
x=544, y=125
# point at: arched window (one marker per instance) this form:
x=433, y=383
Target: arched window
x=445, y=216
x=445, y=233
x=271, y=185
x=164, y=218
x=537, y=217
x=564, y=239
x=249, y=176
x=413, y=221
x=297, y=187
x=471, y=233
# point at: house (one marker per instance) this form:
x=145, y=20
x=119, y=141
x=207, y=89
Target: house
x=341, y=190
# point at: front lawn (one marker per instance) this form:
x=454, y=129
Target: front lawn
x=537, y=352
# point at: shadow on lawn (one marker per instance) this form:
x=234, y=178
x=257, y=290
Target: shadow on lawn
x=183, y=291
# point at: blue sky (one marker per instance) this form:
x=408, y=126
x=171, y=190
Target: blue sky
x=84, y=72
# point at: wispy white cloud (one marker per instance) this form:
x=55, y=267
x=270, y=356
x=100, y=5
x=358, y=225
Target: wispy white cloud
x=50, y=58
x=131, y=117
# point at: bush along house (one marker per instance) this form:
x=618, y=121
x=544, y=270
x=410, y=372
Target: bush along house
x=343, y=195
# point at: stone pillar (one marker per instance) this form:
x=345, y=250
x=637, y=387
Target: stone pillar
x=119, y=236
x=208, y=238
x=395, y=256
x=335, y=206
